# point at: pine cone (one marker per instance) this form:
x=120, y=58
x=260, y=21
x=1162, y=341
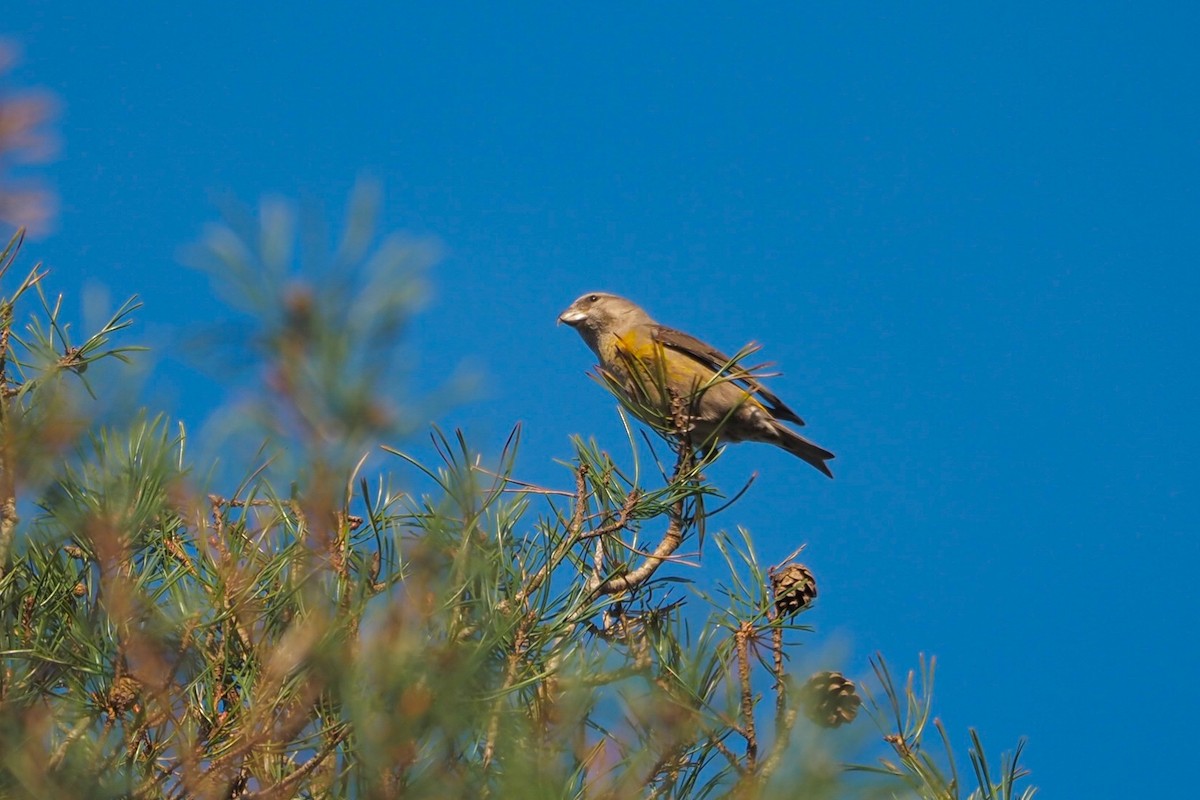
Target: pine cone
x=794, y=587
x=830, y=700
x=124, y=693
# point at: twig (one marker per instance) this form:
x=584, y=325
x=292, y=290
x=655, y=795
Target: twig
x=284, y=787
x=782, y=739
x=568, y=541
x=730, y=756
x=523, y=486
x=673, y=536
x=620, y=522
x=510, y=673
x=780, y=685
x=8, y=500
x=597, y=564
x=671, y=540
x=742, y=647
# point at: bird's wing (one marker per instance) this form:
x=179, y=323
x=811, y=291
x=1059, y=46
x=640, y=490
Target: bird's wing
x=718, y=362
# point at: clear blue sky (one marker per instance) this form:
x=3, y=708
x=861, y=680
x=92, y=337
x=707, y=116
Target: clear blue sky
x=967, y=234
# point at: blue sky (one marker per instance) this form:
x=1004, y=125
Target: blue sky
x=968, y=236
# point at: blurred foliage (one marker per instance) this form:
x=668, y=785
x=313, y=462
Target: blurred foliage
x=319, y=629
x=315, y=333
x=26, y=139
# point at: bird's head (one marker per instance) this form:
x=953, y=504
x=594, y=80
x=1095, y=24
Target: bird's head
x=598, y=313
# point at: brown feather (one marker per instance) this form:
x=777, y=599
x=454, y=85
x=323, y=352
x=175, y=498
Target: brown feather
x=716, y=361
x=802, y=448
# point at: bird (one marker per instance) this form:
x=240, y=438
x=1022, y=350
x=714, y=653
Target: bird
x=639, y=358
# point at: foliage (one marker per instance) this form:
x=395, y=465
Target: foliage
x=26, y=139
x=319, y=628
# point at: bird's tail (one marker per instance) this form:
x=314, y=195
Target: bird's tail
x=800, y=447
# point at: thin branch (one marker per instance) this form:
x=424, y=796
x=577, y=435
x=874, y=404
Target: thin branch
x=621, y=521
x=522, y=486
x=597, y=564
x=568, y=541
x=510, y=674
x=742, y=647
x=780, y=684
x=285, y=786
x=671, y=540
x=673, y=536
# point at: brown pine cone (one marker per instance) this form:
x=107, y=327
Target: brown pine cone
x=794, y=587
x=830, y=700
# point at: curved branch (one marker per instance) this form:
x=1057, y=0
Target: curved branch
x=671, y=540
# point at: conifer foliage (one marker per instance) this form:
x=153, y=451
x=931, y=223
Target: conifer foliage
x=327, y=615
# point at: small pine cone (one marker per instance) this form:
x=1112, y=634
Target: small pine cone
x=830, y=700
x=124, y=693
x=794, y=587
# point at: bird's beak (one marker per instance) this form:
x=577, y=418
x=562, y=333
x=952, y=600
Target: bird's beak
x=572, y=316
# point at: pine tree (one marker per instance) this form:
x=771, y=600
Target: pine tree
x=299, y=623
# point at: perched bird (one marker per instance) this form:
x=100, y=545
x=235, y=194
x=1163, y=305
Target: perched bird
x=640, y=359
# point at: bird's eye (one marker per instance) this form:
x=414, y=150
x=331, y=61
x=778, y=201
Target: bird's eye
x=593, y=298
